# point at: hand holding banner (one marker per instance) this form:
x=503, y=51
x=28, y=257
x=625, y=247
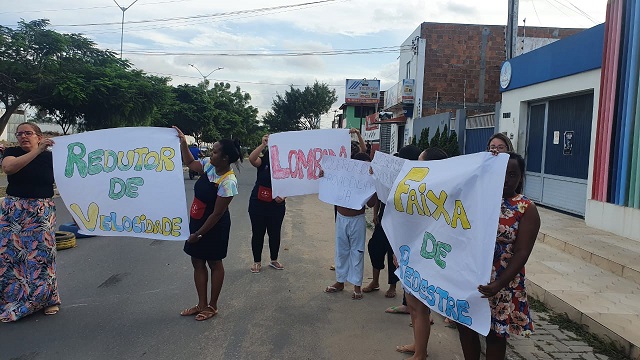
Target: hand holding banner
x=441, y=219
x=115, y=188
x=346, y=182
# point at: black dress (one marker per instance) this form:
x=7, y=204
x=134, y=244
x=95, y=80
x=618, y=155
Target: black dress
x=213, y=244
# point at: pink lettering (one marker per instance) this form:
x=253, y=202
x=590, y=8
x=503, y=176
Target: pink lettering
x=277, y=170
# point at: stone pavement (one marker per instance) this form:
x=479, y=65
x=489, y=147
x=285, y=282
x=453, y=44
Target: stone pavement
x=590, y=275
x=549, y=342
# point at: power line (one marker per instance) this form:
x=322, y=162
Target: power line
x=235, y=81
x=533, y=2
x=85, y=8
x=179, y=18
x=365, y=51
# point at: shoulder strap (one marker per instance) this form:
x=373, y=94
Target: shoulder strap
x=219, y=181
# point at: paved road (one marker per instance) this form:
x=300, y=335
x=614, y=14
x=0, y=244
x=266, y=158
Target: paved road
x=121, y=298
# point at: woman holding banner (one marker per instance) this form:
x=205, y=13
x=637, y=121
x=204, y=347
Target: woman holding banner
x=266, y=213
x=28, y=280
x=517, y=231
x=210, y=221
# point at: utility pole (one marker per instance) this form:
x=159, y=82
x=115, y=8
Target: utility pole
x=205, y=81
x=122, y=31
x=511, y=33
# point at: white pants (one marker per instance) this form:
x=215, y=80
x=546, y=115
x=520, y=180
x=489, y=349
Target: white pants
x=350, y=240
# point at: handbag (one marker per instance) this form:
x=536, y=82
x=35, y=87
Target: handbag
x=264, y=193
x=197, y=208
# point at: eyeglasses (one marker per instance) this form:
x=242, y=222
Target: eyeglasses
x=25, y=133
x=499, y=147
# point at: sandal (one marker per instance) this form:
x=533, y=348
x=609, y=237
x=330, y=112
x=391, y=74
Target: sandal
x=332, y=289
x=356, y=296
x=207, y=313
x=256, y=267
x=369, y=288
x=276, y=265
x=400, y=309
x=405, y=349
x=390, y=294
x=51, y=310
x=190, y=311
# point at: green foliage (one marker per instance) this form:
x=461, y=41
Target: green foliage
x=453, y=149
x=423, y=143
x=300, y=109
x=435, y=140
x=74, y=81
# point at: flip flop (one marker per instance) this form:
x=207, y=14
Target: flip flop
x=190, y=311
x=368, y=289
x=356, y=296
x=276, y=265
x=390, y=294
x=51, y=310
x=207, y=313
x=396, y=310
x=255, y=268
x=332, y=289
x=405, y=349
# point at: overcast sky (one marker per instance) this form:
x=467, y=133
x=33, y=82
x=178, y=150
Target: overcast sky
x=164, y=36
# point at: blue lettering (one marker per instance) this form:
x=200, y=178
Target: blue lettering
x=443, y=295
x=463, y=309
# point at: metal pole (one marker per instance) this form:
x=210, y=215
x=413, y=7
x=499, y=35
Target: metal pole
x=122, y=33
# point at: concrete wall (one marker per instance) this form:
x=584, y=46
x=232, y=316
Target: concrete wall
x=432, y=122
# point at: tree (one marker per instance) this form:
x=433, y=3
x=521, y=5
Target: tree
x=74, y=81
x=453, y=149
x=300, y=109
x=435, y=140
x=423, y=143
x=443, y=141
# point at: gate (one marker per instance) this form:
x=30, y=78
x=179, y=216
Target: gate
x=479, y=129
x=557, y=154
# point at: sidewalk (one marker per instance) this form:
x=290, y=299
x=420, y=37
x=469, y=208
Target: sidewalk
x=591, y=275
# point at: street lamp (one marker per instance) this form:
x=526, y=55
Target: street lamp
x=122, y=31
x=204, y=77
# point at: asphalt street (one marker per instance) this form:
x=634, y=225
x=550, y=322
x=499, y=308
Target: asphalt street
x=121, y=299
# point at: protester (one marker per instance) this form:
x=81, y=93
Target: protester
x=357, y=146
x=379, y=246
x=210, y=221
x=420, y=313
x=28, y=279
x=517, y=230
x=265, y=212
x=351, y=228
x=499, y=142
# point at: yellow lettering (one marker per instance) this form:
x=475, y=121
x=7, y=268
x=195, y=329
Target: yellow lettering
x=439, y=202
x=91, y=220
x=459, y=213
x=415, y=174
x=175, y=228
x=412, y=202
x=166, y=159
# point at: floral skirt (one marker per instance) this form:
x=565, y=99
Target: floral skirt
x=27, y=257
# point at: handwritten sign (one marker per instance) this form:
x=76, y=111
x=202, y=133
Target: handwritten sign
x=385, y=171
x=295, y=158
x=123, y=182
x=441, y=219
x=346, y=182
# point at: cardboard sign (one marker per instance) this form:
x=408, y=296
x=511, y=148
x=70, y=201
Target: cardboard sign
x=123, y=182
x=295, y=158
x=441, y=218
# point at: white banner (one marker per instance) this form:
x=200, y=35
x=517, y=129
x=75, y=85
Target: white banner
x=441, y=219
x=385, y=171
x=346, y=182
x=295, y=158
x=123, y=182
